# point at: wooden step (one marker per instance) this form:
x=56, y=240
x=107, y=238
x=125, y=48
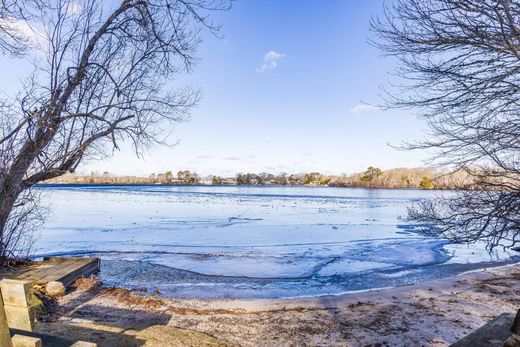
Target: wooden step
x=492, y=334
x=55, y=269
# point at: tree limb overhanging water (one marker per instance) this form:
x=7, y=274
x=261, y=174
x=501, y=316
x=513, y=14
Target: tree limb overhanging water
x=458, y=67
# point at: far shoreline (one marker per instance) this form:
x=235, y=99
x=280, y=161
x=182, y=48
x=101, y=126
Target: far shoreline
x=45, y=184
x=398, y=178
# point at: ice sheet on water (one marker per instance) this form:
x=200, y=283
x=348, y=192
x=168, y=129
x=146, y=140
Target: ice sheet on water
x=201, y=241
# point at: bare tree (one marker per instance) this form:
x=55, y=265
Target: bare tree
x=459, y=68
x=101, y=75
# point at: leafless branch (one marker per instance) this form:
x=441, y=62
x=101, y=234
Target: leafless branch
x=103, y=76
x=459, y=67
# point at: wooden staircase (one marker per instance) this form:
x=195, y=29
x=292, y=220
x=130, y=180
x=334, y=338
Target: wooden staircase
x=17, y=304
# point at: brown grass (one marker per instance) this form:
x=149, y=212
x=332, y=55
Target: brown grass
x=127, y=297
x=87, y=283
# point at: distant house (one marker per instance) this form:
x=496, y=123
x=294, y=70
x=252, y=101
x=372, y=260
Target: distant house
x=229, y=181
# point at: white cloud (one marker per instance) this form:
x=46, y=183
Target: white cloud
x=271, y=61
x=363, y=108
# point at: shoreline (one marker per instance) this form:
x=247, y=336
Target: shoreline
x=45, y=184
x=361, y=291
x=435, y=313
x=309, y=300
x=252, y=288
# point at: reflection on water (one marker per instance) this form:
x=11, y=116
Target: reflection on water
x=228, y=241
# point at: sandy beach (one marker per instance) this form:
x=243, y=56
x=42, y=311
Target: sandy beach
x=436, y=313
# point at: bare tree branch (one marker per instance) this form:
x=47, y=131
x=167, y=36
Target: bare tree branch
x=102, y=76
x=459, y=67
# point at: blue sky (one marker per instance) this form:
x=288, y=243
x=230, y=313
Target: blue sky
x=282, y=92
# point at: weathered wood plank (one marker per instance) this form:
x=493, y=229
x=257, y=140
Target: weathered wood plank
x=5, y=337
x=52, y=341
x=64, y=270
x=17, y=292
x=60, y=270
x=21, y=317
x=492, y=334
x=38, y=270
x=48, y=340
x=90, y=263
x=84, y=271
x=25, y=341
x=34, y=270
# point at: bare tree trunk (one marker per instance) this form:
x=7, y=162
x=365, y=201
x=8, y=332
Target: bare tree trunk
x=7, y=201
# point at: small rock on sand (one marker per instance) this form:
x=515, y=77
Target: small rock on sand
x=55, y=289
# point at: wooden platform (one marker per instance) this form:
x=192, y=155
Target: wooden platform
x=492, y=334
x=64, y=270
x=47, y=340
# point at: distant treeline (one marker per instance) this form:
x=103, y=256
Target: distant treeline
x=372, y=177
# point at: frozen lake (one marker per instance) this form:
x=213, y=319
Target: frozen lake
x=250, y=242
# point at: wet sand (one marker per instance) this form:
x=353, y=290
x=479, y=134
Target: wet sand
x=435, y=313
